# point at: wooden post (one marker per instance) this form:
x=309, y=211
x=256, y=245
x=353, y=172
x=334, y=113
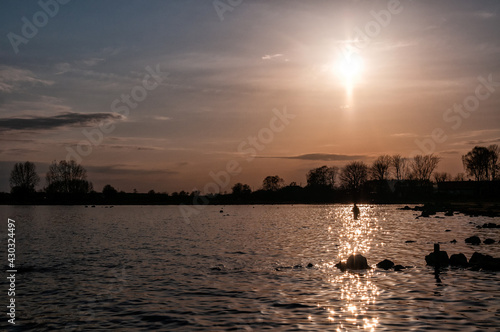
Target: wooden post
x=436, y=255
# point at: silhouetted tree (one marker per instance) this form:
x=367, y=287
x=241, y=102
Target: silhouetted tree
x=323, y=176
x=109, y=190
x=400, y=166
x=482, y=163
x=241, y=189
x=272, y=183
x=67, y=177
x=442, y=177
x=380, y=168
x=354, y=175
x=422, y=166
x=494, y=165
x=23, y=178
x=459, y=177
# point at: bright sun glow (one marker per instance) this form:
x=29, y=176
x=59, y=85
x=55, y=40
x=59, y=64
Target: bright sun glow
x=350, y=69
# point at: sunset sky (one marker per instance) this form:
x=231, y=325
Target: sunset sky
x=306, y=83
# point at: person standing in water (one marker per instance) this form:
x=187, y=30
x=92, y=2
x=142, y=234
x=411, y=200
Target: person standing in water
x=355, y=211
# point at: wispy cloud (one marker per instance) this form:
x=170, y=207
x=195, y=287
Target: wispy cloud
x=12, y=79
x=323, y=157
x=162, y=118
x=122, y=169
x=484, y=15
x=404, y=135
x=483, y=141
x=270, y=57
x=68, y=119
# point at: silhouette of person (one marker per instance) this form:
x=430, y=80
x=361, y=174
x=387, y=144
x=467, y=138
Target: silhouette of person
x=355, y=211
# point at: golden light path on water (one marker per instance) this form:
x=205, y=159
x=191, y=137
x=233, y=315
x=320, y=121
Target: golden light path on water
x=357, y=291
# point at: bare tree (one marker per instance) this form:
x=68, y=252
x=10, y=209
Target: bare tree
x=354, y=174
x=459, y=177
x=400, y=167
x=380, y=168
x=67, y=177
x=481, y=162
x=322, y=176
x=272, y=183
x=494, y=165
x=241, y=189
x=23, y=178
x=442, y=177
x=422, y=167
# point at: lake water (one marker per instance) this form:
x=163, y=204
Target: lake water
x=145, y=268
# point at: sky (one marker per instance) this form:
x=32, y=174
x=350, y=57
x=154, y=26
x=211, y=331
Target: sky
x=179, y=95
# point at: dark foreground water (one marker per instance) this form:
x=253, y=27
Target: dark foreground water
x=145, y=268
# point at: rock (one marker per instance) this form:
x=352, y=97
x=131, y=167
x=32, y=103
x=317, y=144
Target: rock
x=437, y=257
x=475, y=240
x=453, y=241
x=406, y=208
x=489, y=241
x=399, y=267
x=341, y=266
x=410, y=241
x=385, y=264
x=458, y=260
x=448, y=230
x=485, y=262
x=490, y=225
x=449, y=213
x=310, y=265
x=357, y=262
x=298, y=266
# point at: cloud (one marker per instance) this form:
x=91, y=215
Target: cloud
x=269, y=57
x=92, y=61
x=404, y=135
x=119, y=169
x=323, y=157
x=483, y=141
x=12, y=79
x=484, y=15
x=161, y=118
x=67, y=119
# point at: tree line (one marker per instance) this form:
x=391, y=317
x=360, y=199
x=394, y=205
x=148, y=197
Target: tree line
x=480, y=164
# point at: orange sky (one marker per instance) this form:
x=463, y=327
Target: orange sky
x=183, y=85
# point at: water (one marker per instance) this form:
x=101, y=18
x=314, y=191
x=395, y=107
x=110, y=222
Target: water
x=143, y=268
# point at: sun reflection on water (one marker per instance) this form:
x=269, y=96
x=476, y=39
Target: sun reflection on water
x=357, y=292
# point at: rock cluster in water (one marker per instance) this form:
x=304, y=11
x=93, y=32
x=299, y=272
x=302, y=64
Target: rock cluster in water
x=478, y=261
x=354, y=262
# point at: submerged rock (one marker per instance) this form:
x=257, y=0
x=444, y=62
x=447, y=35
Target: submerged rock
x=489, y=241
x=458, y=260
x=485, y=262
x=437, y=257
x=354, y=262
x=357, y=262
x=385, y=264
x=475, y=240
x=490, y=225
x=399, y=267
x=341, y=266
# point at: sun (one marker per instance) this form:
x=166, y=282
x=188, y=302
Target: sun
x=350, y=69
